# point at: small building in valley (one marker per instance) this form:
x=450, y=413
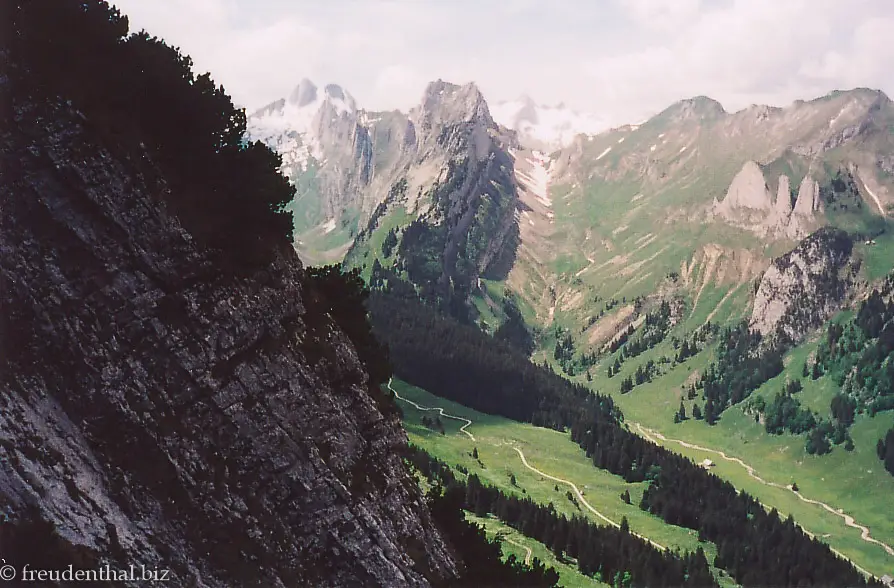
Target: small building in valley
x=888, y=581
x=707, y=464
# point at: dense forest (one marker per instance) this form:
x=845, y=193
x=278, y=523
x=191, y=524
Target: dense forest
x=513, y=329
x=857, y=354
x=137, y=93
x=744, y=362
x=482, y=558
x=608, y=554
x=460, y=363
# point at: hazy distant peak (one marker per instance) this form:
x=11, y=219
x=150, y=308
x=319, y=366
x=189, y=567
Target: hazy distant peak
x=545, y=127
x=304, y=93
x=698, y=108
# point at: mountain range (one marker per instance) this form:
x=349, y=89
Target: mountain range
x=578, y=319
x=695, y=190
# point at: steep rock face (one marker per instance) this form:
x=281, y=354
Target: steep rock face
x=808, y=200
x=304, y=93
x=444, y=163
x=783, y=206
x=749, y=204
x=453, y=182
x=154, y=413
x=804, y=287
x=807, y=206
x=748, y=190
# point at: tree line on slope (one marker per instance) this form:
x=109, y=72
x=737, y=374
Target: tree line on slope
x=857, y=355
x=655, y=333
x=744, y=362
x=605, y=553
x=745, y=358
x=458, y=361
x=342, y=296
x=482, y=558
x=141, y=96
x=328, y=291
x=784, y=413
x=464, y=365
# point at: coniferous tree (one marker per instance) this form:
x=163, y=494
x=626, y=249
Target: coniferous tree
x=696, y=412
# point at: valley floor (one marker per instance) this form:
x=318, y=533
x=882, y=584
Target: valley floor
x=853, y=485
x=546, y=465
x=542, y=460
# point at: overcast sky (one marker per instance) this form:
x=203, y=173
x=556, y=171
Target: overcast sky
x=621, y=59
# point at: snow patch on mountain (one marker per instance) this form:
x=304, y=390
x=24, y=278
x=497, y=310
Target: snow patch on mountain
x=551, y=127
x=290, y=126
x=604, y=153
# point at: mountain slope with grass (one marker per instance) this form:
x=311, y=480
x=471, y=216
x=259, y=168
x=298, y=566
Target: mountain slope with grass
x=685, y=267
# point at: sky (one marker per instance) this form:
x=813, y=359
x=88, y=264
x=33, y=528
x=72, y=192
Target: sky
x=623, y=60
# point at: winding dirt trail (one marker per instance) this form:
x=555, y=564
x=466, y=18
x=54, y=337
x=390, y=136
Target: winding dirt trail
x=524, y=460
x=654, y=436
x=865, y=535
x=440, y=410
x=528, y=552
x=580, y=497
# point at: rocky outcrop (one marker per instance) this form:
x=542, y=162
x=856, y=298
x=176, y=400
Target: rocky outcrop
x=699, y=108
x=748, y=190
x=155, y=413
x=807, y=205
x=783, y=205
x=808, y=200
x=750, y=205
x=803, y=288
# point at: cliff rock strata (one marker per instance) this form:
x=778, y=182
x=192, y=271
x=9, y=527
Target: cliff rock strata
x=155, y=413
x=804, y=287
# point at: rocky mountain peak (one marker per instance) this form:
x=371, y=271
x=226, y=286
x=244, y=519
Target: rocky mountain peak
x=869, y=94
x=339, y=97
x=527, y=112
x=697, y=108
x=304, y=93
x=446, y=102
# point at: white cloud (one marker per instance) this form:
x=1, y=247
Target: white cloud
x=748, y=51
x=621, y=59
x=662, y=15
x=399, y=85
